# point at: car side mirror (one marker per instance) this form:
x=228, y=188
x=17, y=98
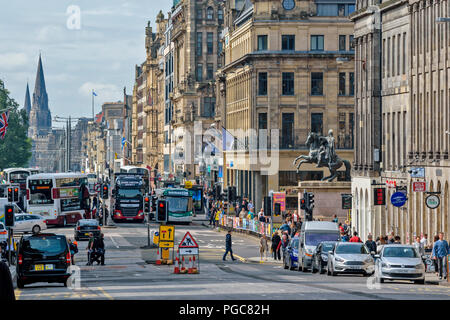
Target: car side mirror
x=376, y=256
x=330, y=252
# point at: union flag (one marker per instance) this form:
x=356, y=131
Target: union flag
x=4, y=117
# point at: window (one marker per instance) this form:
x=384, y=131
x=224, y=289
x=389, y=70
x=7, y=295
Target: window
x=288, y=42
x=350, y=9
x=262, y=42
x=288, y=83
x=351, y=123
x=262, y=83
x=398, y=54
x=220, y=15
x=219, y=46
x=316, y=83
x=209, y=42
x=209, y=71
x=352, y=83
x=209, y=107
x=199, y=13
x=199, y=72
x=404, y=54
x=317, y=123
x=352, y=46
x=341, y=10
x=199, y=44
x=393, y=57
x=317, y=43
x=209, y=13
x=262, y=121
x=342, y=83
x=342, y=44
x=287, y=127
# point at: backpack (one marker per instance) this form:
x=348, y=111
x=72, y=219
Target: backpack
x=74, y=248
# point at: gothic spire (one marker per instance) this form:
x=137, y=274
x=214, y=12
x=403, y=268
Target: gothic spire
x=27, y=104
x=39, y=86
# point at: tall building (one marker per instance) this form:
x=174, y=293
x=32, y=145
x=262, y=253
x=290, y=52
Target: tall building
x=288, y=68
x=27, y=103
x=401, y=97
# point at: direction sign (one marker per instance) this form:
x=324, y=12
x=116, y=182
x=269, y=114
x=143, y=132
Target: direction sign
x=398, y=199
x=186, y=251
x=188, y=241
x=166, y=236
x=419, y=186
x=432, y=201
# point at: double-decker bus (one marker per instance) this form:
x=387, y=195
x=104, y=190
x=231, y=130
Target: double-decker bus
x=143, y=171
x=57, y=197
x=180, y=204
x=128, y=195
x=16, y=176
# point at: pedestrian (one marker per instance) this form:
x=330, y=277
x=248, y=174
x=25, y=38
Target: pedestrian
x=90, y=248
x=250, y=205
x=346, y=227
x=420, y=249
x=435, y=261
x=99, y=245
x=397, y=240
x=94, y=203
x=355, y=238
x=424, y=241
x=371, y=244
x=6, y=283
x=228, y=243
x=295, y=218
x=335, y=219
x=212, y=216
x=391, y=238
x=263, y=247
x=73, y=247
x=276, y=241
x=344, y=237
x=341, y=228
x=439, y=253
x=217, y=218
x=284, y=242
x=293, y=230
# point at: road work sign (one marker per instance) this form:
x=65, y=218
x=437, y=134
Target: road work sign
x=188, y=242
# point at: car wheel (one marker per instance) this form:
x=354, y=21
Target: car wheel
x=20, y=283
x=36, y=229
x=419, y=281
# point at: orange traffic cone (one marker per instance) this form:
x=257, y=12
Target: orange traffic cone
x=183, y=267
x=194, y=266
x=177, y=268
x=190, y=265
x=158, y=261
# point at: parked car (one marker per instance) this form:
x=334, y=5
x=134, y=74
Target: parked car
x=43, y=257
x=350, y=257
x=291, y=257
x=3, y=233
x=399, y=262
x=86, y=226
x=25, y=222
x=320, y=256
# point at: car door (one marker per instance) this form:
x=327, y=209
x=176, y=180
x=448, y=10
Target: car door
x=19, y=223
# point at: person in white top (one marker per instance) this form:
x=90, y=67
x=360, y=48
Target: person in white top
x=424, y=240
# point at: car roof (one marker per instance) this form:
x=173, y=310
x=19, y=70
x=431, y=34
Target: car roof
x=42, y=235
x=340, y=243
x=319, y=226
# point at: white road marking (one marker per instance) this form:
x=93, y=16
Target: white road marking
x=115, y=244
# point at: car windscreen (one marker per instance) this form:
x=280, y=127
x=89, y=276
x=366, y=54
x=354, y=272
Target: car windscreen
x=400, y=252
x=89, y=223
x=314, y=238
x=129, y=193
x=179, y=204
x=351, y=249
x=327, y=247
x=45, y=244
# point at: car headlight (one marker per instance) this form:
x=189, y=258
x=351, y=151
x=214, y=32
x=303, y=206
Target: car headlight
x=368, y=260
x=419, y=266
x=339, y=259
x=385, y=265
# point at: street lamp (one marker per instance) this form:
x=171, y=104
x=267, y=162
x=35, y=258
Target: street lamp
x=441, y=20
x=341, y=60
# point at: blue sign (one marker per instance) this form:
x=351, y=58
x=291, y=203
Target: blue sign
x=398, y=199
x=220, y=175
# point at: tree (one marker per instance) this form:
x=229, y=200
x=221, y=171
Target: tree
x=15, y=149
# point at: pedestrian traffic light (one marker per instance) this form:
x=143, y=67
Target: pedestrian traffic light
x=218, y=191
x=9, y=215
x=161, y=215
x=10, y=194
x=310, y=201
x=146, y=204
x=16, y=194
x=277, y=209
x=105, y=191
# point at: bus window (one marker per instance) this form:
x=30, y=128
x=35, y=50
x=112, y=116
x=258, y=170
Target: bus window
x=70, y=204
x=18, y=177
x=179, y=204
x=40, y=191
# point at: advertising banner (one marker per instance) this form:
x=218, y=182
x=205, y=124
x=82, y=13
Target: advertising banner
x=279, y=197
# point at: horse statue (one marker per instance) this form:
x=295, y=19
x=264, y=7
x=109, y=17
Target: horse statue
x=322, y=153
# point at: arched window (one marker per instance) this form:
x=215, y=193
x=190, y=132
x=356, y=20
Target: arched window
x=220, y=14
x=209, y=13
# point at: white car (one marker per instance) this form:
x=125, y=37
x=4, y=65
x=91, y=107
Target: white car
x=26, y=222
x=3, y=233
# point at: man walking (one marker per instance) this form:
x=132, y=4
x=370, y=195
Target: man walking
x=276, y=240
x=263, y=247
x=228, y=244
x=439, y=253
x=371, y=244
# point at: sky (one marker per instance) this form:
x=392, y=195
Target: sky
x=85, y=45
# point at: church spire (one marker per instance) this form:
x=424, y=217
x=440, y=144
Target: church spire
x=40, y=117
x=39, y=86
x=27, y=104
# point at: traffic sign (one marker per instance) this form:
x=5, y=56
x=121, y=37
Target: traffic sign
x=432, y=201
x=188, y=184
x=419, y=186
x=187, y=251
x=188, y=241
x=97, y=187
x=166, y=236
x=398, y=199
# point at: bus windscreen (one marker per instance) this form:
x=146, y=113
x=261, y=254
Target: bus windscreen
x=40, y=191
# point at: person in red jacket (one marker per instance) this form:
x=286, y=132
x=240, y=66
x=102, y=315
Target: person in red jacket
x=355, y=237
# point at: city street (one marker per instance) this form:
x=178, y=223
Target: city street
x=127, y=275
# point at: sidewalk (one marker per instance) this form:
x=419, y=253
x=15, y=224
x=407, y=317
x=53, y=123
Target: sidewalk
x=432, y=278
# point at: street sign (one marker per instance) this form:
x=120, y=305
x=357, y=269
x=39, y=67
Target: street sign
x=419, y=186
x=432, y=201
x=403, y=189
x=379, y=196
x=188, y=184
x=188, y=241
x=417, y=172
x=346, y=201
x=97, y=187
x=391, y=183
x=187, y=251
x=398, y=199
x=166, y=236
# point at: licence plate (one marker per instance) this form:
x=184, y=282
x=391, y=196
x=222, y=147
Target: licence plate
x=86, y=234
x=403, y=271
x=41, y=267
x=355, y=267
x=129, y=218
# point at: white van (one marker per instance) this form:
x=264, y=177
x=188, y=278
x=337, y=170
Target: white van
x=313, y=233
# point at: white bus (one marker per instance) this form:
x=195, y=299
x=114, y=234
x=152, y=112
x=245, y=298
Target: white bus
x=16, y=176
x=56, y=196
x=138, y=170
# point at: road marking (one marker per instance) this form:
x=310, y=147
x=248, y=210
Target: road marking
x=105, y=293
x=115, y=244
x=235, y=255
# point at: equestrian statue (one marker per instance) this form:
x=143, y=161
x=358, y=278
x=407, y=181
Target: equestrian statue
x=322, y=152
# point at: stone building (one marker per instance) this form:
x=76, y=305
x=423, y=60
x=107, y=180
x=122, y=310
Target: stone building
x=400, y=100
x=287, y=69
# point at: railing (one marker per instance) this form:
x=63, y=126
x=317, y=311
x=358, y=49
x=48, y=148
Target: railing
x=242, y=224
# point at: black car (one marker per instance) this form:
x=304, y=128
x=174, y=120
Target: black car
x=320, y=256
x=43, y=257
x=86, y=226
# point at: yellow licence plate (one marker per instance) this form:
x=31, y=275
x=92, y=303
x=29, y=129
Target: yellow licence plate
x=39, y=267
x=86, y=234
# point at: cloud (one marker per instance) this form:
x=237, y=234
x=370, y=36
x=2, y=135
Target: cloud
x=51, y=33
x=104, y=91
x=12, y=60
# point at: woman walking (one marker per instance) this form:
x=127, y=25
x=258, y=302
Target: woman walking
x=263, y=247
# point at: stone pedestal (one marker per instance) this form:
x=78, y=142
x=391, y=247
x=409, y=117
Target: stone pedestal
x=327, y=198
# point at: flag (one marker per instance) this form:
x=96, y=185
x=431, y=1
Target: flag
x=4, y=117
x=93, y=93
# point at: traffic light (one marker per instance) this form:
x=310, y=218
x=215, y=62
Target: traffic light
x=302, y=204
x=146, y=204
x=10, y=194
x=277, y=209
x=231, y=194
x=16, y=194
x=218, y=191
x=161, y=215
x=105, y=192
x=9, y=215
x=267, y=206
x=311, y=201
x=154, y=200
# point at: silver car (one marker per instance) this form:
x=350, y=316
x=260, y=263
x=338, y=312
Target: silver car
x=399, y=262
x=350, y=257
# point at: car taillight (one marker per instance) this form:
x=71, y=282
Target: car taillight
x=78, y=228
x=98, y=228
x=20, y=259
x=68, y=258
x=3, y=232
x=28, y=194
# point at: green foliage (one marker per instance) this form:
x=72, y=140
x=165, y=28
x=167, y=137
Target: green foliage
x=15, y=149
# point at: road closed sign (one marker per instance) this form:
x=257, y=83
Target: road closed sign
x=419, y=186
